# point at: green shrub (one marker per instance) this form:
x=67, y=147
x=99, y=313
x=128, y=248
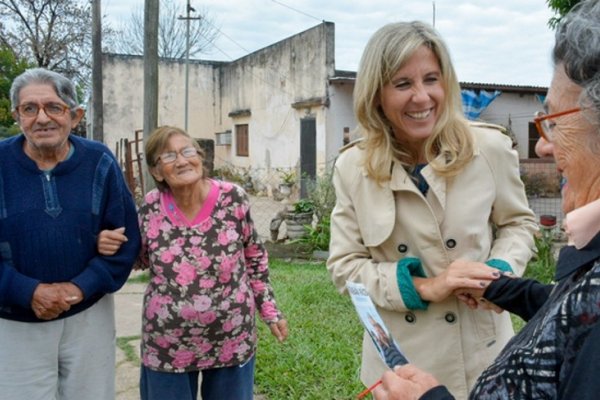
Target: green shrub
x=12, y=130
x=322, y=196
x=240, y=175
x=540, y=185
x=541, y=267
x=317, y=237
x=288, y=176
x=304, y=206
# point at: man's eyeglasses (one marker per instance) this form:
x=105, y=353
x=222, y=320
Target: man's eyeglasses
x=31, y=110
x=170, y=156
x=545, y=122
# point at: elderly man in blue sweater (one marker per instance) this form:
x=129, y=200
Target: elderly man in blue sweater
x=57, y=192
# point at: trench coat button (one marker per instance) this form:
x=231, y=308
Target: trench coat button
x=410, y=318
x=450, y=318
x=402, y=248
x=450, y=243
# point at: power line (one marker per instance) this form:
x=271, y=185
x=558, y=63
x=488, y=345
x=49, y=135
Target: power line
x=298, y=11
x=231, y=39
x=267, y=67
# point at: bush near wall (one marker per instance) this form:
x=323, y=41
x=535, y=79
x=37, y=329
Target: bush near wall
x=540, y=177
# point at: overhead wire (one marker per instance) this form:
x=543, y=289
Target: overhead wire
x=269, y=83
x=282, y=77
x=298, y=11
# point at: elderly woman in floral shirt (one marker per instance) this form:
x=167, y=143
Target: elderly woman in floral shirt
x=209, y=276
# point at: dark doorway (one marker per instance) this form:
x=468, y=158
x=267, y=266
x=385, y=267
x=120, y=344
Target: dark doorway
x=308, y=154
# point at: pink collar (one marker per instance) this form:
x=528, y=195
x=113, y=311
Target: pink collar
x=177, y=218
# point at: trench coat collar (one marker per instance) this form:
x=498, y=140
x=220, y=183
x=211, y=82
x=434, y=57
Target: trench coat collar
x=401, y=181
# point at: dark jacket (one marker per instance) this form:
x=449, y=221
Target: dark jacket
x=557, y=354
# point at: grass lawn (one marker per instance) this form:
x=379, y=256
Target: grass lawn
x=321, y=358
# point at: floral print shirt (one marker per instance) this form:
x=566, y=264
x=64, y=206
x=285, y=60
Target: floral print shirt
x=208, y=277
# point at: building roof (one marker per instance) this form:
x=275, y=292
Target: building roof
x=504, y=88
x=341, y=76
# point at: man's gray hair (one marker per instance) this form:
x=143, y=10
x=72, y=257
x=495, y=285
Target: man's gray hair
x=63, y=86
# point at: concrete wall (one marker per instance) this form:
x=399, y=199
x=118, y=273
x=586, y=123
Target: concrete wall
x=342, y=116
x=123, y=82
x=268, y=83
x=520, y=109
x=271, y=90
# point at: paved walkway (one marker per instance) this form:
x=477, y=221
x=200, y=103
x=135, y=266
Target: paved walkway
x=128, y=313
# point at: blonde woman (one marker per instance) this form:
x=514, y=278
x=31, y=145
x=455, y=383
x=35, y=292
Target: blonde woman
x=427, y=204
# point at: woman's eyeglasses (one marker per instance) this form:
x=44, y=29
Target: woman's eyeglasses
x=170, y=156
x=545, y=122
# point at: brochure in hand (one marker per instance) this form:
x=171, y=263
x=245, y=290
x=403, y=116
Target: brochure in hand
x=384, y=343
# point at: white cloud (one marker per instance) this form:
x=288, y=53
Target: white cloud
x=504, y=42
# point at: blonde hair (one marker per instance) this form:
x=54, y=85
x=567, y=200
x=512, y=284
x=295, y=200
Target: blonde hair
x=386, y=52
x=157, y=142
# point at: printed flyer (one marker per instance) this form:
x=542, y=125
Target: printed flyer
x=386, y=345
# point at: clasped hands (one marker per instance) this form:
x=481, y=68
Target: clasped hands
x=467, y=280
x=52, y=299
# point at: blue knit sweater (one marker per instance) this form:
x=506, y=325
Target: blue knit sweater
x=49, y=222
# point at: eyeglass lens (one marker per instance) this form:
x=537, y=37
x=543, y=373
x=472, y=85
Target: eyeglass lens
x=171, y=156
x=546, y=126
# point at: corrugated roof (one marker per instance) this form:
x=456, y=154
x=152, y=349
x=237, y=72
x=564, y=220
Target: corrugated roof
x=350, y=76
x=504, y=88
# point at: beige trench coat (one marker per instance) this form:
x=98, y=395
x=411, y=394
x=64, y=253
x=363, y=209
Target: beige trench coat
x=373, y=226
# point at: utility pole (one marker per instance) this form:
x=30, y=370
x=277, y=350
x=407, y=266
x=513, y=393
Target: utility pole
x=97, y=122
x=187, y=20
x=151, y=9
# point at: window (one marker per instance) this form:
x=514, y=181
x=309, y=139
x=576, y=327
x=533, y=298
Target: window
x=346, y=137
x=533, y=138
x=223, y=138
x=241, y=140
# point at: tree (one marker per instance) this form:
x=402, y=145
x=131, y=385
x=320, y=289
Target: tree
x=171, y=33
x=10, y=68
x=53, y=34
x=560, y=7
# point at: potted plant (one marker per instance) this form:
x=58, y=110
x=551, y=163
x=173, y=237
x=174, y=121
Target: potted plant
x=298, y=218
x=288, y=179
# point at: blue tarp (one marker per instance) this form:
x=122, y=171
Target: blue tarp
x=474, y=103
x=541, y=98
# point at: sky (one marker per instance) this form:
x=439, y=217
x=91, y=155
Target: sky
x=490, y=41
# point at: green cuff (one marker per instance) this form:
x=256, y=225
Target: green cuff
x=500, y=265
x=405, y=270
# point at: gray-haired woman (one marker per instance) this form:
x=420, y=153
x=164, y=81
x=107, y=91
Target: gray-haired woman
x=209, y=278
